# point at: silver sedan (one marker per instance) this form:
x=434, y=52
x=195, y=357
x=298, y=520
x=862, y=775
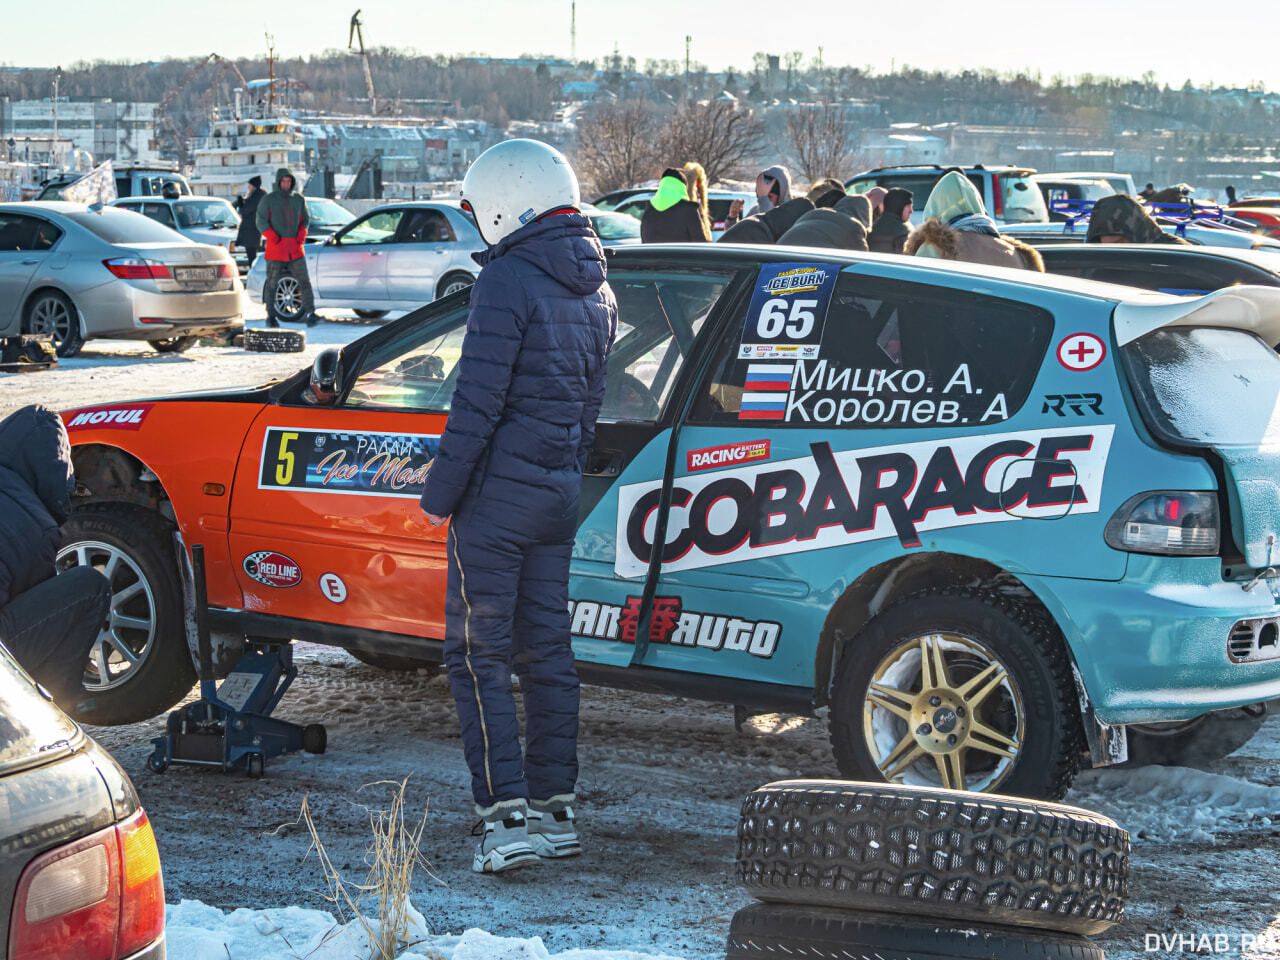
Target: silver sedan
x=76, y=274
x=396, y=257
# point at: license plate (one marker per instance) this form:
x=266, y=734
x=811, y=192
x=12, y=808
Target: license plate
x=195, y=274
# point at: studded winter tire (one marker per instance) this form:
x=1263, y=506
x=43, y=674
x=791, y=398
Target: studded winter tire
x=773, y=931
x=1194, y=743
x=961, y=690
x=921, y=851
x=274, y=341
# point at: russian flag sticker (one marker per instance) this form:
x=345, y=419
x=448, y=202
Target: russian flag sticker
x=764, y=395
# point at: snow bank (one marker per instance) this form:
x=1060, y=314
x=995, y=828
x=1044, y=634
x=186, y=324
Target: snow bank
x=196, y=931
x=1176, y=803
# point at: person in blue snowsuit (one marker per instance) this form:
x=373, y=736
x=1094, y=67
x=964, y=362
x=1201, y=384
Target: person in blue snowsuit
x=507, y=475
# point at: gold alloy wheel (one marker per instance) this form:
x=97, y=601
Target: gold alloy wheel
x=943, y=701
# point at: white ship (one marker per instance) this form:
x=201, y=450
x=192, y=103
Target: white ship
x=239, y=147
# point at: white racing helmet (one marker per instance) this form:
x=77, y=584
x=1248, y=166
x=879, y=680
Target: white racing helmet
x=514, y=182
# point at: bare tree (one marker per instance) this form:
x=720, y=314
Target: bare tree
x=719, y=134
x=617, y=145
x=820, y=140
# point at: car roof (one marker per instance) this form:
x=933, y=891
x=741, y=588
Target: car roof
x=932, y=167
x=45, y=206
x=1265, y=261
x=930, y=270
x=157, y=198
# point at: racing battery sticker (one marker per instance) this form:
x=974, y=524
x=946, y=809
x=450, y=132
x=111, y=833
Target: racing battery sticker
x=355, y=464
x=788, y=311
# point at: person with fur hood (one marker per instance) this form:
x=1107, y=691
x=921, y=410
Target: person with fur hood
x=956, y=227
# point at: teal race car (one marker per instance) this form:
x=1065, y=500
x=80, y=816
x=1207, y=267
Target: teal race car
x=997, y=525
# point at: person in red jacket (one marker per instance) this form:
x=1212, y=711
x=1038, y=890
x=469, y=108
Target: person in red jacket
x=282, y=220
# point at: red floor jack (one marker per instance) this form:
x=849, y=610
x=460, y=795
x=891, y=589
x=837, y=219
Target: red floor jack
x=231, y=726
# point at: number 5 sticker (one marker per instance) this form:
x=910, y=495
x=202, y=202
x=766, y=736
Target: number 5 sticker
x=788, y=311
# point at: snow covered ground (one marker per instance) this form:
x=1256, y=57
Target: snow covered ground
x=662, y=778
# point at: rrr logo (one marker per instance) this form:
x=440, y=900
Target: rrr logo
x=852, y=496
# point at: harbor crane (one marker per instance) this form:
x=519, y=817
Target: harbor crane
x=357, y=35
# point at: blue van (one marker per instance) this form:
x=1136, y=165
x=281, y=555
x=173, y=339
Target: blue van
x=998, y=525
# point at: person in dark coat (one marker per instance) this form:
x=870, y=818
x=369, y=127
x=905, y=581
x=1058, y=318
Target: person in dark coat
x=247, y=236
x=1121, y=219
x=828, y=228
x=890, y=233
x=48, y=621
x=826, y=192
x=768, y=227
x=671, y=217
x=507, y=472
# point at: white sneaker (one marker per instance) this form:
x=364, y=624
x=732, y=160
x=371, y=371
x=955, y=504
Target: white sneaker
x=552, y=833
x=504, y=838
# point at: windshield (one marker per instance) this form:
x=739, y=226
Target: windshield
x=115, y=225
x=31, y=728
x=205, y=213
x=615, y=226
x=1023, y=201
x=1207, y=386
x=326, y=213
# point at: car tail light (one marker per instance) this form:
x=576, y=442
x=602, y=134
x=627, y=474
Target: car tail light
x=67, y=905
x=997, y=194
x=227, y=270
x=100, y=898
x=135, y=268
x=1171, y=522
x=142, y=899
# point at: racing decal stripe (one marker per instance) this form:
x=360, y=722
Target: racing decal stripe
x=466, y=636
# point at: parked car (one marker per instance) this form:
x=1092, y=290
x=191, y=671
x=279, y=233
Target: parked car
x=948, y=502
x=1265, y=219
x=395, y=257
x=327, y=218
x=1257, y=202
x=76, y=274
x=1197, y=234
x=1056, y=190
x=718, y=203
x=1009, y=193
x=1119, y=182
x=611, y=200
x=612, y=228
x=210, y=220
x=132, y=180
x=1164, y=268
x=79, y=869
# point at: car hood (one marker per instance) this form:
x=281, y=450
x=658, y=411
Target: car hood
x=215, y=236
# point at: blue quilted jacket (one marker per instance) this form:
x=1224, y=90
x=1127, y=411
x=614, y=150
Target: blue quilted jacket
x=531, y=377
x=35, y=496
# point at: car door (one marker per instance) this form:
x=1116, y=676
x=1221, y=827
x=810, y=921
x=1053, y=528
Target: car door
x=26, y=244
x=160, y=212
x=353, y=267
x=418, y=257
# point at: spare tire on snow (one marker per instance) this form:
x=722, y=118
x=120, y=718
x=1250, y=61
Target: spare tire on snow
x=774, y=930
x=923, y=851
x=268, y=340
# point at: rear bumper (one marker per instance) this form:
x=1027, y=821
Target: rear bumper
x=117, y=309
x=1153, y=646
x=154, y=952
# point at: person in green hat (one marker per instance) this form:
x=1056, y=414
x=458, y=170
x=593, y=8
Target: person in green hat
x=956, y=227
x=671, y=216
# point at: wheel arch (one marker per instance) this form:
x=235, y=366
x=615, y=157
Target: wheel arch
x=450, y=275
x=54, y=288
x=105, y=473
x=882, y=585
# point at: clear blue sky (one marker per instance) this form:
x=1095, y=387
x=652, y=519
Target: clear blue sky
x=1235, y=39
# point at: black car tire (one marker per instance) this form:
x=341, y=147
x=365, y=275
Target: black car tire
x=67, y=338
x=274, y=341
x=1196, y=742
x=770, y=930
x=392, y=663
x=165, y=674
x=370, y=314
x=451, y=283
x=1027, y=646
x=174, y=344
x=919, y=851
x=315, y=738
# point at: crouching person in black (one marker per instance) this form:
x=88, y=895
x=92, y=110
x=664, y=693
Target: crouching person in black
x=48, y=621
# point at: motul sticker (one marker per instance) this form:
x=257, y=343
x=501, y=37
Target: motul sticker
x=273, y=569
x=727, y=455
x=672, y=624
x=112, y=418
x=833, y=498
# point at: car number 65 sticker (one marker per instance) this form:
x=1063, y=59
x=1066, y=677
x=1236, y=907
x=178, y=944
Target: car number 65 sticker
x=788, y=311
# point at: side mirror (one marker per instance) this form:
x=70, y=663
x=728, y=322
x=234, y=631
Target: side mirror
x=331, y=240
x=326, y=378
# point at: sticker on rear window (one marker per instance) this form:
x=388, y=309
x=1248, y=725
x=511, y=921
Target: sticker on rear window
x=357, y=464
x=788, y=311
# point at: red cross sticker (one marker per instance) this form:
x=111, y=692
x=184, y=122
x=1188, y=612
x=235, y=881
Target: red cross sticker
x=1081, y=351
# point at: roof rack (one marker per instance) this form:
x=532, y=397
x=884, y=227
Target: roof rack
x=1177, y=215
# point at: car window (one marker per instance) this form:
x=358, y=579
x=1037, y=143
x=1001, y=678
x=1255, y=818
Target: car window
x=17, y=232
x=377, y=227
x=425, y=226
x=920, y=185
x=1023, y=201
x=659, y=315
x=327, y=213
x=124, y=226
x=31, y=728
x=633, y=208
x=123, y=187
x=615, y=226
x=892, y=355
x=159, y=212
x=46, y=235
x=205, y=213
x=1173, y=273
